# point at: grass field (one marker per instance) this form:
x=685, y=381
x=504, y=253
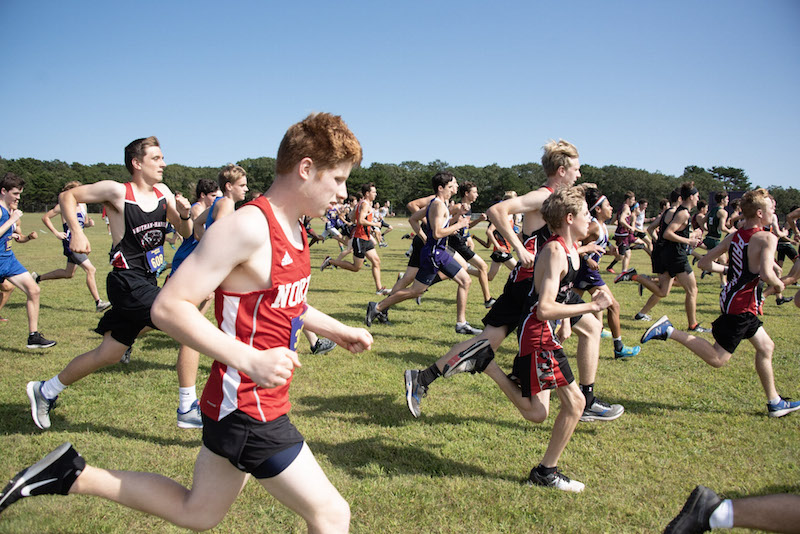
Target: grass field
x=459, y=467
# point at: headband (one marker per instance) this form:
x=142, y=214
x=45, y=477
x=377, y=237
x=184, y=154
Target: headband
x=599, y=201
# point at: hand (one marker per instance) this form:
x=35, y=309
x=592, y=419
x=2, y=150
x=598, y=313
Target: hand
x=61, y=235
x=526, y=258
x=565, y=330
x=482, y=217
x=601, y=299
x=272, y=367
x=15, y=215
x=353, y=339
x=592, y=264
x=79, y=243
x=33, y=235
x=182, y=205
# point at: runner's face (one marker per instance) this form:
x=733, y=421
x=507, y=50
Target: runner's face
x=450, y=189
x=209, y=198
x=153, y=164
x=572, y=173
x=11, y=198
x=239, y=189
x=471, y=195
x=605, y=211
x=330, y=187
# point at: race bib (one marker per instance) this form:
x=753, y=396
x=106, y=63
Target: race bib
x=297, y=327
x=155, y=258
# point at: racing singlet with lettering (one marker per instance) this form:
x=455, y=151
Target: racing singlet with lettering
x=362, y=232
x=742, y=293
x=264, y=319
x=5, y=239
x=713, y=224
x=142, y=246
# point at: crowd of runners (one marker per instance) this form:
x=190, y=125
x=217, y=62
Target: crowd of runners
x=253, y=264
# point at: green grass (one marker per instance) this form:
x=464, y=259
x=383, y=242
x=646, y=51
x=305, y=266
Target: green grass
x=460, y=466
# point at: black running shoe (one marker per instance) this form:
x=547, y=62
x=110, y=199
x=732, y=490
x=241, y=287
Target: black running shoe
x=38, y=341
x=372, y=313
x=696, y=512
x=52, y=475
x=557, y=480
x=474, y=359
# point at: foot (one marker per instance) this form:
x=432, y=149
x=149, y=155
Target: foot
x=191, y=418
x=418, y=300
x=467, y=329
x=474, y=359
x=126, y=358
x=372, y=313
x=102, y=305
x=642, y=316
x=52, y=475
x=783, y=300
x=414, y=391
x=627, y=352
x=697, y=329
x=325, y=263
x=704, y=274
x=322, y=346
x=695, y=513
x=601, y=411
x=37, y=341
x=661, y=329
x=610, y=270
x=489, y=303
x=625, y=276
x=36, y=276
x=557, y=480
x=605, y=334
x=383, y=291
x=40, y=406
x=782, y=408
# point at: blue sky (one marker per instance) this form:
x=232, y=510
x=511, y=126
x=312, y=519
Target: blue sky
x=651, y=85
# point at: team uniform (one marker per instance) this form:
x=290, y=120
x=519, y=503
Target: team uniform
x=623, y=237
x=587, y=277
x=785, y=248
x=132, y=284
x=541, y=363
x=674, y=256
x=714, y=236
x=9, y=265
x=741, y=299
x=502, y=254
x=242, y=422
x=434, y=256
x=74, y=257
x=458, y=242
x=362, y=234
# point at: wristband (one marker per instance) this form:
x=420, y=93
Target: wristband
x=184, y=219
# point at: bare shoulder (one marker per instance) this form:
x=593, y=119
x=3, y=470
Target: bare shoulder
x=164, y=190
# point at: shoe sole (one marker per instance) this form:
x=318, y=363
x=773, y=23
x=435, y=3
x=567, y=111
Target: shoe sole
x=32, y=398
x=182, y=424
x=35, y=469
x=781, y=413
x=653, y=327
x=41, y=345
x=593, y=418
x=409, y=397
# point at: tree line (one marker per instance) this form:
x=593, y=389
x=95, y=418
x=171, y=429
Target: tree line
x=400, y=183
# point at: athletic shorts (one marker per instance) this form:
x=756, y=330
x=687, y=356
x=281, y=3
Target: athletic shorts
x=500, y=257
x=431, y=265
x=786, y=250
x=460, y=246
x=574, y=298
x=262, y=449
x=542, y=370
x=10, y=266
x=587, y=278
x=509, y=308
x=711, y=242
x=132, y=294
x=623, y=244
x=730, y=329
x=675, y=264
x=416, y=250
x=361, y=247
x=73, y=257
x=384, y=224
x=330, y=231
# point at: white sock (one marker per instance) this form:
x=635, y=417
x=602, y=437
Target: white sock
x=618, y=339
x=722, y=516
x=52, y=388
x=775, y=401
x=186, y=397
x=670, y=329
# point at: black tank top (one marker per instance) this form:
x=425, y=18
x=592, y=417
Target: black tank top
x=565, y=285
x=673, y=246
x=142, y=245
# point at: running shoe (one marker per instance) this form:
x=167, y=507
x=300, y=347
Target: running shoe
x=783, y=407
x=556, y=479
x=610, y=270
x=191, y=418
x=36, y=277
x=474, y=359
x=414, y=391
x=322, y=346
x=467, y=329
x=601, y=411
x=40, y=405
x=372, y=313
x=697, y=329
x=605, y=334
x=642, y=317
x=783, y=300
x=383, y=291
x=627, y=352
x=625, y=276
x=38, y=341
x=52, y=475
x=489, y=303
x=418, y=300
x=325, y=263
x=102, y=305
x=661, y=329
x=704, y=274
x=696, y=512
x=126, y=358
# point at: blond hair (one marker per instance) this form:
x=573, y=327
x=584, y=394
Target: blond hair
x=557, y=154
x=752, y=201
x=563, y=201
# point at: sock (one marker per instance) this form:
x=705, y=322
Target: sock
x=52, y=388
x=670, y=330
x=722, y=516
x=186, y=397
x=544, y=471
x=588, y=392
x=428, y=375
x=775, y=401
x=618, y=344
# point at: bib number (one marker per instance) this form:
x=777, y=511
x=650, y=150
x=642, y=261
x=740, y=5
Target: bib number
x=155, y=258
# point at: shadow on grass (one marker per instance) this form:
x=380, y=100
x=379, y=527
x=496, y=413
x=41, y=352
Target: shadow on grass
x=15, y=419
x=379, y=457
x=390, y=411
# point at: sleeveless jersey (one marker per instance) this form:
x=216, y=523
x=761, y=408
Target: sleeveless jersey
x=542, y=333
x=639, y=222
x=602, y=239
x=673, y=247
x=532, y=244
x=431, y=243
x=142, y=246
x=622, y=231
x=362, y=232
x=742, y=294
x=5, y=239
x=713, y=224
x=264, y=319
